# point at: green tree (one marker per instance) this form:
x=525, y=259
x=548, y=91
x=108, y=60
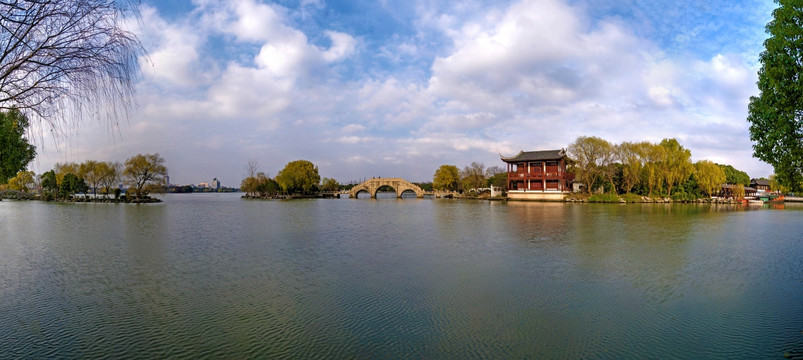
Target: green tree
x=63, y=169
x=266, y=186
x=328, y=184
x=49, y=183
x=446, y=178
x=735, y=176
x=710, y=176
x=676, y=166
x=143, y=169
x=71, y=184
x=24, y=181
x=776, y=114
x=299, y=177
x=15, y=151
x=776, y=186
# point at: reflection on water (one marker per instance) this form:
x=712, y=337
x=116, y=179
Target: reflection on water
x=211, y=275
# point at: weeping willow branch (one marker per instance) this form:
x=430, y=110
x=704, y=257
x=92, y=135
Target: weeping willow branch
x=64, y=60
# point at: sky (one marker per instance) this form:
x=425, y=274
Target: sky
x=396, y=88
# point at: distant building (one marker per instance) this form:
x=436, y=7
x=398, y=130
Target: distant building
x=538, y=175
x=760, y=184
x=203, y=185
x=215, y=184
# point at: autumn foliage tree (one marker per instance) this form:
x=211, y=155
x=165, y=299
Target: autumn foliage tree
x=447, y=178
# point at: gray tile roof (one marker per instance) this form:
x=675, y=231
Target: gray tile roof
x=535, y=156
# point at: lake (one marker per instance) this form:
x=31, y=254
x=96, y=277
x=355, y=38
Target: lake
x=216, y=276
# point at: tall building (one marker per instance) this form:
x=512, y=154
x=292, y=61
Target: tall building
x=215, y=184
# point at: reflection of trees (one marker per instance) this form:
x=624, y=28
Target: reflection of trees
x=638, y=246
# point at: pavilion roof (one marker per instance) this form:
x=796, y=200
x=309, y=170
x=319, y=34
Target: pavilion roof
x=540, y=155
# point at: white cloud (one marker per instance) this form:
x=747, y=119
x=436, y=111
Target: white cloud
x=342, y=46
x=532, y=75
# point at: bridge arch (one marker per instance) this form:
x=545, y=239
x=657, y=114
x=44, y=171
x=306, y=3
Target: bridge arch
x=371, y=186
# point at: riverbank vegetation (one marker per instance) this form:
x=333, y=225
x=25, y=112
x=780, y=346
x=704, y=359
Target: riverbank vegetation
x=143, y=174
x=615, y=172
x=470, y=180
x=298, y=178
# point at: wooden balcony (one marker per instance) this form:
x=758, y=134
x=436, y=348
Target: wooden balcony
x=516, y=175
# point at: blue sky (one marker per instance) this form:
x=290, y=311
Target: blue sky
x=396, y=88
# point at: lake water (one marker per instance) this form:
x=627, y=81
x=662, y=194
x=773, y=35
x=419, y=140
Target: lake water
x=211, y=275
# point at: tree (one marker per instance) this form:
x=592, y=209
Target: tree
x=631, y=156
x=710, y=176
x=473, y=176
x=109, y=173
x=776, y=186
x=266, y=186
x=651, y=174
x=299, y=177
x=23, y=181
x=71, y=184
x=63, y=169
x=446, y=178
x=143, y=169
x=735, y=176
x=776, y=114
x=328, y=184
x=676, y=166
x=89, y=170
x=15, y=151
x=592, y=156
x=49, y=182
x=497, y=176
x=63, y=58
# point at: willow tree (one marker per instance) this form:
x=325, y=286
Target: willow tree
x=710, y=176
x=651, y=174
x=676, y=166
x=630, y=155
x=62, y=59
x=776, y=114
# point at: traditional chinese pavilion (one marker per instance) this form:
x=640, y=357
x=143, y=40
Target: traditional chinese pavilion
x=538, y=175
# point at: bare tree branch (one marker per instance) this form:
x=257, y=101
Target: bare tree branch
x=63, y=59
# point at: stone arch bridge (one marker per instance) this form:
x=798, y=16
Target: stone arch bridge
x=371, y=186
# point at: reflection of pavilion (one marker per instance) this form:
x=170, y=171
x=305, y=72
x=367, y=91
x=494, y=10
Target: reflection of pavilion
x=538, y=175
